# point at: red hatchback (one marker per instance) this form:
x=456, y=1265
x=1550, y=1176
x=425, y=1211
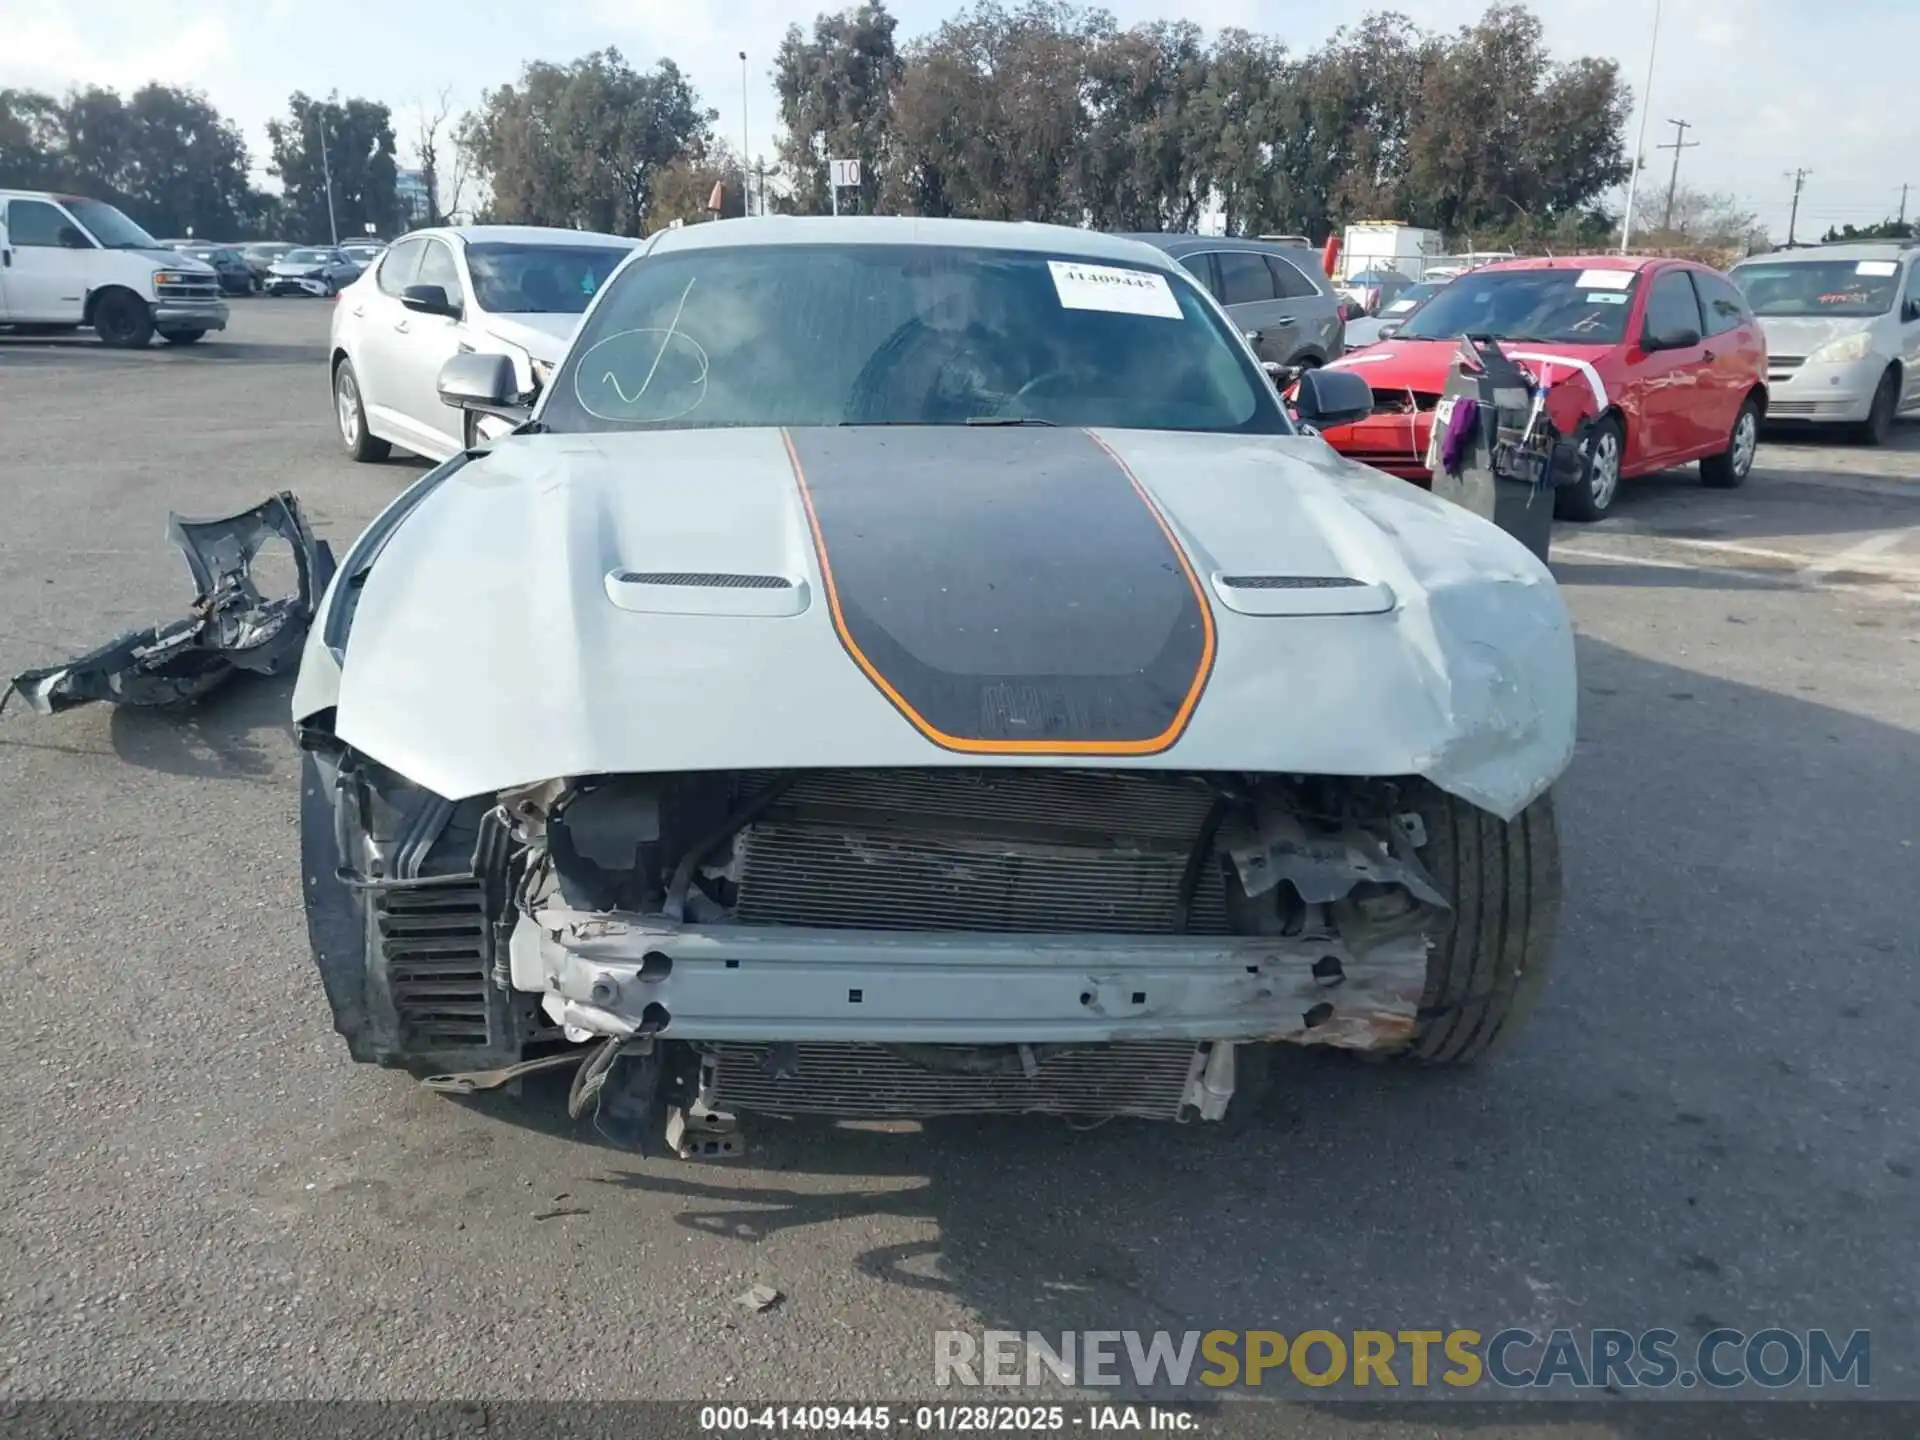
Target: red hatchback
x=1666, y=352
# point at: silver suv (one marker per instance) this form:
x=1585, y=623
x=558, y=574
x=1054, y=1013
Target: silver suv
x=1843, y=332
x=1276, y=293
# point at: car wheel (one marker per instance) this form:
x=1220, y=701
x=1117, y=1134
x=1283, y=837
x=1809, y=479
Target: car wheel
x=361, y=442
x=121, y=319
x=181, y=337
x=1484, y=974
x=1592, y=495
x=1732, y=465
x=1886, y=399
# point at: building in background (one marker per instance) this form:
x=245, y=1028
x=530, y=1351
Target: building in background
x=410, y=189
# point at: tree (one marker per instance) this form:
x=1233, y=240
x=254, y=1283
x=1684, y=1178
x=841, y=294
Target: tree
x=1888, y=229
x=359, y=157
x=584, y=144
x=1140, y=167
x=836, y=102
x=442, y=159
x=166, y=156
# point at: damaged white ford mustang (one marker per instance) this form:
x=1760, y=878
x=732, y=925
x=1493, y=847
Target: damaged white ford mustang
x=908, y=668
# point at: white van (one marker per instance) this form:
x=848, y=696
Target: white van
x=66, y=261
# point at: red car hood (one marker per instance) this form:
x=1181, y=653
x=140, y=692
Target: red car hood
x=1422, y=365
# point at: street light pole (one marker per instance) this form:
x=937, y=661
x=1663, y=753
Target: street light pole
x=746, y=190
x=1646, y=104
x=326, y=170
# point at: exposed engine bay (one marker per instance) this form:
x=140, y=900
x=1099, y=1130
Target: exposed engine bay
x=868, y=943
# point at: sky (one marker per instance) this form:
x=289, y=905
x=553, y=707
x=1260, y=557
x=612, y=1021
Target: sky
x=1769, y=86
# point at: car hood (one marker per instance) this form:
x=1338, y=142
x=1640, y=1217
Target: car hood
x=544, y=337
x=570, y=604
x=1802, y=335
x=1422, y=365
x=175, y=260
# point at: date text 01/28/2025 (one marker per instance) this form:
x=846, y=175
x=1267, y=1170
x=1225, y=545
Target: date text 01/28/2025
x=945, y=1419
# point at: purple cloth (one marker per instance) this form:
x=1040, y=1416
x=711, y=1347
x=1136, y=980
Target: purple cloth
x=1460, y=427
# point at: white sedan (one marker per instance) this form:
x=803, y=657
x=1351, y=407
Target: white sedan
x=506, y=290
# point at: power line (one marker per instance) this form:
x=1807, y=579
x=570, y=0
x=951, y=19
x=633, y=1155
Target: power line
x=1676, y=145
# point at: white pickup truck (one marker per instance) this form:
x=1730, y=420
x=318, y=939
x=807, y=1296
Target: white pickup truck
x=67, y=262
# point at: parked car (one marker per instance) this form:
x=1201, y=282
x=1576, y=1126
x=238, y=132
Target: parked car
x=1365, y=329
x=261, y=254
x=516, y=291
x=1843, y=333
x=1277, y=294
x=1368, y=292
x=236, y=275
x=312, y=270
x=1664, y=353
x=870, y=683
x=67, y=261
x=364, y=252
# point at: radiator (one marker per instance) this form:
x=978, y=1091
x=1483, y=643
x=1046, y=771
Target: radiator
x=1146, y=1079
x=1017, y=851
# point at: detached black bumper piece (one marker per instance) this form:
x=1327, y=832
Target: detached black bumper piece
x=231, y=626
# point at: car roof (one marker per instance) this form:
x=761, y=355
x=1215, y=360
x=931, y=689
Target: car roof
x=1025, y=235
x=1183, y=244
x=1574, y=262
x=517, y=235
x=1851, y=250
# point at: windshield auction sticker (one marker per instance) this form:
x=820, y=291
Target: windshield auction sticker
x=1109, y=287
x=1604, y=280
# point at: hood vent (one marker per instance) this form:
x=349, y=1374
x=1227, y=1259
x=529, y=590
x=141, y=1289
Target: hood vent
x=1302, y=595
x=714, y=581
x=707, y=592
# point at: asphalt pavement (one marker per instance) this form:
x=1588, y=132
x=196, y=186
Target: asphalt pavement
x=1711, y=1121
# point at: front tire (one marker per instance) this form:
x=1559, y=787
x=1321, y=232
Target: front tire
x=1504, y=879
x=1591, y=497
x=1886, y=400
x=1730, y=468
x=351, y=412
x=181, y=337
x=121, y=320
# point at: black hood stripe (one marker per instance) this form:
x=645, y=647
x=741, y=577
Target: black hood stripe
x=1012, y=590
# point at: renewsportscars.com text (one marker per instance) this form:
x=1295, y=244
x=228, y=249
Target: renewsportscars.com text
x=1510, y=1359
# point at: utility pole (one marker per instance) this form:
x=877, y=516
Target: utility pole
x=326, y=170
x=1799, y=178
x=1676, y=145
x=1903, y=203
x=746, y=190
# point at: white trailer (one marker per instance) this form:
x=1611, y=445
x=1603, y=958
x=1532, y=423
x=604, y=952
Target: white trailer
x=1388, y=245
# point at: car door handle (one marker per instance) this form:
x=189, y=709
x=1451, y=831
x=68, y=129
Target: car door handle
x=401, y=326
x=1284, y=320
x=359, y=312
x=1706, y=354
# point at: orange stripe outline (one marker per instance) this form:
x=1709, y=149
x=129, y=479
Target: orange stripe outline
x=1202, y=673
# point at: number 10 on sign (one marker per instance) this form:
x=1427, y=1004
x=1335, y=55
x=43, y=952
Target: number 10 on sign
x=839, y=173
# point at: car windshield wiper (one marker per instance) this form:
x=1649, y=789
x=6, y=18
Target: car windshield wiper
x=1007, y=420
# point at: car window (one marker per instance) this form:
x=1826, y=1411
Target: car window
x=1201, y=268
x=1288, y=280
x=1913, y=283
x=510, y=278
x=853, y=334
x=437, y=268
x=1849, y=288
x=399, y=265
x=1569, y=306
x=35, y=223
x=1725, y=307
x=1672, y=305
x=1244, y=277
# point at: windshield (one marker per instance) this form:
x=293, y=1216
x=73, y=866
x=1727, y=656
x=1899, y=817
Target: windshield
x=904, y=335
x=1409, y=298
x=306, y=257
x=269, y=249
x=1572, y=307
x=511, y=279
x=107, y=225
x=1819, y=287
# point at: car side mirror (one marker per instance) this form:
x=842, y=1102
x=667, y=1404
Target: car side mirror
x=72, y=239
x=1913, y=309
x=1388, y=331
x=1331, y=397
x=1684, y=338
x=429, y=300
x=484, y=384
